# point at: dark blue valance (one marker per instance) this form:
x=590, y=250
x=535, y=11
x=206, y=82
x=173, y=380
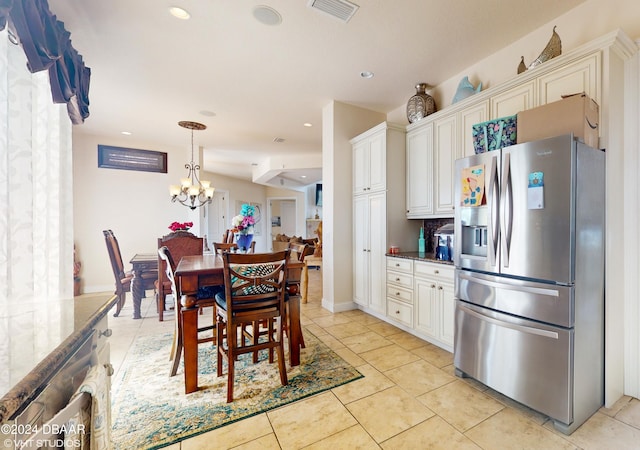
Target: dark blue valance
x=47, y=46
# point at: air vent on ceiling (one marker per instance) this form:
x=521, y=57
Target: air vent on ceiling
x=340, y=9
x=278, y=139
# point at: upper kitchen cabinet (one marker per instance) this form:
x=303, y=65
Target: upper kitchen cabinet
x=576, y=77
x=432, y=148
x=514, y=100
x=420, y=171
x=369, y=165
x=467, y=118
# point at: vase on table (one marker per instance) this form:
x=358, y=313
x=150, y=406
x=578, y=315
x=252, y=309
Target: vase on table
x=244, y=241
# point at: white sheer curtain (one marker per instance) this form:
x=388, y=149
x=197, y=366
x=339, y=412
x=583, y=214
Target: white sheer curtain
x=36, y=195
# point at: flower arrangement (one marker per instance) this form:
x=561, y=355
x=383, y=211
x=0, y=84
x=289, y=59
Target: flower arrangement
x=243, y=223
x=177, y=226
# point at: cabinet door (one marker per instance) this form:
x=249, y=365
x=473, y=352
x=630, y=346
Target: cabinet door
x=377, y=162
x=514, y=100
x=377, y=250
x=445, y=148
x=360, y=167
x=426, y=304
x=420, y=172
x=447, y=312
x=360, y=247
x=467, y=118
x=581, y=76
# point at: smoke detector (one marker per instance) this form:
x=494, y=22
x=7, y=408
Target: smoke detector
x=340, y=9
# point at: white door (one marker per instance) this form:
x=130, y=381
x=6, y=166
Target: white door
x=217, y=219
x=288, y=217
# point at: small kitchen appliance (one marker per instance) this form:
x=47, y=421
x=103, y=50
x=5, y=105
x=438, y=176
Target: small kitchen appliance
x=443, y=242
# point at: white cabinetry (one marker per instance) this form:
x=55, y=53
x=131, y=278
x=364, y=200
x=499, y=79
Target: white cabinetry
x=446, y=153
x=369, y=250
x=420, y=299
x=467, y=118
x=378, y=211
x=435, y=142
x=420, y=172
x=434, y=301
x=579, y=76
x=369, y=173
x=400, y=290
x=513, y=100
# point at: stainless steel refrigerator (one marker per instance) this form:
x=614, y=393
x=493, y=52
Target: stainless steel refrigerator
x=529, y=281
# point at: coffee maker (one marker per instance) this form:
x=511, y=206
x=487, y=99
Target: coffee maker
x=443, y=242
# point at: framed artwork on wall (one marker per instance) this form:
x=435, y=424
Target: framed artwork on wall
x=122, y=158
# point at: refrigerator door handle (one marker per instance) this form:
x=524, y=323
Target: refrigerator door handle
x=506, y=198
x=494, y=225
x=500, y=323
x=519, y=288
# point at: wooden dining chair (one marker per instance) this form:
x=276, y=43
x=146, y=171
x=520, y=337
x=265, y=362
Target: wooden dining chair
x=123, y=278
x=178, y=340
x=228, y=237
x=254, y=292
x=220, y=247
x=180, y=243
x=302, y=251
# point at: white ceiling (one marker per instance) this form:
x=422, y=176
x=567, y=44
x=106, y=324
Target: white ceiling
x=262, y=82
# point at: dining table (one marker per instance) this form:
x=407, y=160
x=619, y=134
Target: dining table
x=144, y=267
x=197, y=271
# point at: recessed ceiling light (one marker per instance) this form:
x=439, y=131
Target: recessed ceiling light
x=126, y=133
x=204, y=112
x=267, y=15
x=366, y=74
x=303, y=176
x=179, y=13
x=307, y=124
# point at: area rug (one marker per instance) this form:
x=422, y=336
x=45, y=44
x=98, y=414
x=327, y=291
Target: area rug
x=150, y=409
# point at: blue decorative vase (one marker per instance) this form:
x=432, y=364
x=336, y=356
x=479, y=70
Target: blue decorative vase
x=244, y=241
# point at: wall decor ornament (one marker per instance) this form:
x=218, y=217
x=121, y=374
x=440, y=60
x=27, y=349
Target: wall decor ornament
x=551, y=50
x=420, y=105
x=465, y=89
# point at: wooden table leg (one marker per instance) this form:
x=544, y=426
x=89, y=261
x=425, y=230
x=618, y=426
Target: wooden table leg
x=137, y=292
x=189, y=318
x=304, y=283
x=295, y=331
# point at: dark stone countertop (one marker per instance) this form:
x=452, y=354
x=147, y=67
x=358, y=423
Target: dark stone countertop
x=426, y=257
x=37, y=336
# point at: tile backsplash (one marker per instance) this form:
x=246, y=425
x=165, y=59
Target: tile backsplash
x=430, y=227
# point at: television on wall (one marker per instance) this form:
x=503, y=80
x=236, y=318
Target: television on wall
x=318, y=194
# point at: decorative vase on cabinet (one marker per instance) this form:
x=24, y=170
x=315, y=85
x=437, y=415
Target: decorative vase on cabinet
x=420, y=105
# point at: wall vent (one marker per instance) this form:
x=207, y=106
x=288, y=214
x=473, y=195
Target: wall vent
x=340, y=9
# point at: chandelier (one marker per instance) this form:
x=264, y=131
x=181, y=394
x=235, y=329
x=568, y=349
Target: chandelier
x=192, y=192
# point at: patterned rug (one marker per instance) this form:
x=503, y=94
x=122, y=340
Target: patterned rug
x=150, y=409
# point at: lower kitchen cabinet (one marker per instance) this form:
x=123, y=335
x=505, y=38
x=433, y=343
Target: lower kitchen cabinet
x=434, y=301
x=420, y=299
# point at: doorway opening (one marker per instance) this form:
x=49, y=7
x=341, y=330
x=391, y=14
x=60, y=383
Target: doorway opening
x=281, y=217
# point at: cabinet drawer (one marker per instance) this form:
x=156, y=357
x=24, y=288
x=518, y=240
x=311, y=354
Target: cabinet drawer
x=400, y=264
x=440, y=271
x=400, y=294
x=401, y=312
x=400, y=279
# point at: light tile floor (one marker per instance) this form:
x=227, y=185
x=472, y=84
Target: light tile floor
x=409, y=397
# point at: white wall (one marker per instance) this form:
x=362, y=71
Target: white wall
x=135, y=205
x=340, y=123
